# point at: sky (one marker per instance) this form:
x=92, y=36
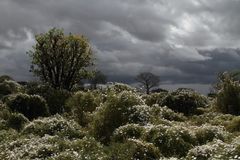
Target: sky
x=185, y=42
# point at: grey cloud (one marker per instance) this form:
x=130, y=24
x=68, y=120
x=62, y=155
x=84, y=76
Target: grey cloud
x=182, y=41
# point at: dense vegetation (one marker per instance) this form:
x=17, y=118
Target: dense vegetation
x=118, y=123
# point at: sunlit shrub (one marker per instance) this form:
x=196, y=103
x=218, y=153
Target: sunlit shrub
x=113, y=113
x=154, y=98
x=133, y=149
x=216, y=150
x=133, y=131
x=31, y=106
x=171, y=141
x=139, y=114
x=52, y=147
x=234, y=125
x=206, y=133
x=184, y=101
x=56, y=125
x=81, y=103
x=120, y=87
x=166, y=113
x=17, y=121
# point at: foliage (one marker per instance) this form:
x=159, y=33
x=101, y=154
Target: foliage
x=171, y=141
x=120, y=87
x=155, y=98
x=166, y=113
x=228, y=95
x=56, y=125
x=133, y=131
x=234, y=125
x=98, y=78
x=61, y=60
x=184, y=101
x=17, y=121
x=55, y=99
x=81, y=103
x=113, y=113
x=31, y=106
x=134, y=149
x=9, y=87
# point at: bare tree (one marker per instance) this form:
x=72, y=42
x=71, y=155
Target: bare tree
x=148, y=80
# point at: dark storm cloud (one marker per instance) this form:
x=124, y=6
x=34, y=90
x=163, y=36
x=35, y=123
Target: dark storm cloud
x=187, y=41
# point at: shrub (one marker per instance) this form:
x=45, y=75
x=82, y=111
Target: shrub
x=139, y=114
x=9, y=87
x=234, y=125
x=113, y=113
x=82, y=102
x=133, y=131
x=55, y=125
x=52, y=148
x=134, y=149
x=31, y=106
x=155, y=98
x=166, y=113
x=184, y=101
x=171, y=141
x=5, y=78
x=216, y=150
x=120, y=87
x=228, y=95
x=55, y=99
x=17, y=121
x=206, y=133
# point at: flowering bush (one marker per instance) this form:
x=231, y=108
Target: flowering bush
x=155, y=98
x=125, y=132
x=234, y=125
x=133, y=149
x=166, y=113
x=184, y=101
x=113, y=113
x=171, y=141
x=52, y=147
x=82, y=102
x=139, y=114
x=207, y=133
x=56, y=125
x=30, y=106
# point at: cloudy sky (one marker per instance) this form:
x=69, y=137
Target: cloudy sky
x=185, y=42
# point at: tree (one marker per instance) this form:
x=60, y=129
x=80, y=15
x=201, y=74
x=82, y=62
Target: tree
x=148, y=80
x=98, y=78
x=61, y=60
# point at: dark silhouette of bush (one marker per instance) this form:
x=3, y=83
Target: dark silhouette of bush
x=228, y=95
x=31, y=106
x=184, y=101
x=55, y=99
x=17, y=121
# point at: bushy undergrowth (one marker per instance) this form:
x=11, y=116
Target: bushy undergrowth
x=115, y=123
x=9, y=87
x=113, y=113
x=55, y=99
x=184, y=101
x=56, y=125
x=31, y=106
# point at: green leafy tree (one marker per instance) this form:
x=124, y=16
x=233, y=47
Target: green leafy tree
x=61, y=60
x=98, y=78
